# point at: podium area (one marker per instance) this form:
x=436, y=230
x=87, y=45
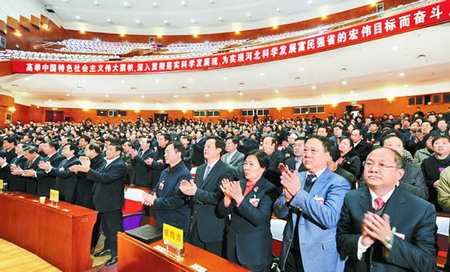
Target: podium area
x=59, y=235
x=138, y=256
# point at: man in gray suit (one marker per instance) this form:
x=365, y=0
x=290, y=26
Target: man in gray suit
x=233, y=157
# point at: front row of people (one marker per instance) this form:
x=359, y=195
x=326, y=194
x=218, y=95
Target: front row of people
x=378, y=227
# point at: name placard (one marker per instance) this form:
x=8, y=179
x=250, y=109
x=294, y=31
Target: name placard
x=54, y=195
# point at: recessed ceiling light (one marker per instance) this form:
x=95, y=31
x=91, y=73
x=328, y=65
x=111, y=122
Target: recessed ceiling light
x=253, y=101
x=175, y=96
x=108, y=20
x=193, y=21
x=155, y=4
x=126, y=4
x=261, y=74
x=310, y=2
x=249, y=15
x=67, y=94
x=401, y=74
x=27, y=78
x=212, y=1
x=166, y=22
x=96, y=3
x=297, y=78
x=225, y=78
x=302, y=68
x=183, y=3
x=276, y=91
x=78, y=17
x=83, y=80
x=405, y=86
x=137, y=21
x=313, y=87
x=240, y=93
x=142, y=96
x=351, y=91
x=278, y=9
x=49, y=100
x=106, y=95
x=190, y=79
x=122, y=81
x=344, y=82
x=207, y=95
x=156, y=80
x=395, y=48
x=220, y=18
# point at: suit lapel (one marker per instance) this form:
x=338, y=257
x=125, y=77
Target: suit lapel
x=302, y=177
x=366, y=200
x=394, y=206
x=211, y=173
x=320, y=182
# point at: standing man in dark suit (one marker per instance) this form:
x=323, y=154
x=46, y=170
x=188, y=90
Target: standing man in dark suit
x=9, y=146
x=198, y=144
x=362, y=147
x=207, y=227
x=275, y=157
x=233, y=157
x=170, y=204
x=65, y=180
x=296, y=163
x=382, y=227
x=158, y=163
x=108, y=196
x=29, y=172
x=16, y=183
x=142, y=171
x=46, y=181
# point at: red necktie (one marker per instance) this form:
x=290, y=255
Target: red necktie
x=380, y=203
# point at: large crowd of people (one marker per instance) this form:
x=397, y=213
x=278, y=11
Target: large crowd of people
x=356, y=192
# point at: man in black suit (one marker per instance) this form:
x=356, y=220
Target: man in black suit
x=275, y=158
x=382, y=227
x=107, y=196
x=9, y=145
x=296, y=163
x=362, y=147
x=142, y=171
x=170, y=205
x=157, y=163
x=65, y=180
x=207, y=227
x=29, y=172
x=16, y=183
x=198, y=144
x=46, y=181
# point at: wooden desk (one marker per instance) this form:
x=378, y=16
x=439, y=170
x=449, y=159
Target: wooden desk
x=137, y=256
x=61, y=236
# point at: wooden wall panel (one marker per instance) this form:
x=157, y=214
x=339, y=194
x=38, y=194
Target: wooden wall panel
x=5, y=68
x=3, y=27
x=12, y=23
x=25, y=22
x=35, y=21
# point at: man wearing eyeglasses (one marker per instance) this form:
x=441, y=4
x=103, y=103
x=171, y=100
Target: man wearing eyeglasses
x=382, y=227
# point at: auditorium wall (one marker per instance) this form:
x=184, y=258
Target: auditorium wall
x=377, y=107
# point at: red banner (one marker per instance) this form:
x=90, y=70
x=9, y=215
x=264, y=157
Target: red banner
x=414, y=19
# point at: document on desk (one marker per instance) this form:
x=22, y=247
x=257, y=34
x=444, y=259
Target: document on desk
x=134, y=194
x=198, y=268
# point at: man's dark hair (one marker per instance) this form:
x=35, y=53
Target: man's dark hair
x=73, y=147
x=235, y=140
x=54, y=144
x=11, y=140
x=178, y=147
x=86, y=138
x=389, y=136
x=95, y=147
x=324, y=140
x=273, y=140
x=219, y=143
x=31, y=149
x=118, y=147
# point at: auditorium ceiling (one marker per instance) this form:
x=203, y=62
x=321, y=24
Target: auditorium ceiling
x=416, y=62
x=181, y=17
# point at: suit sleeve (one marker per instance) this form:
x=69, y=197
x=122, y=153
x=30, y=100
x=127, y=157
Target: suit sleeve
x=326, y=215
x=281, y=207
x=139, y=160
x=115, y=173
x=416, y=185
x=64, y=173
x=428, y=181
x=346, y=239
x=238, y=170
x=175, y=199
x=444, y=191
x=421, y=254
x=214, y=197
x=224, y=211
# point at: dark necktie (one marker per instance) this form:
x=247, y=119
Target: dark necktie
x=208, y=169
x=309, y=182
